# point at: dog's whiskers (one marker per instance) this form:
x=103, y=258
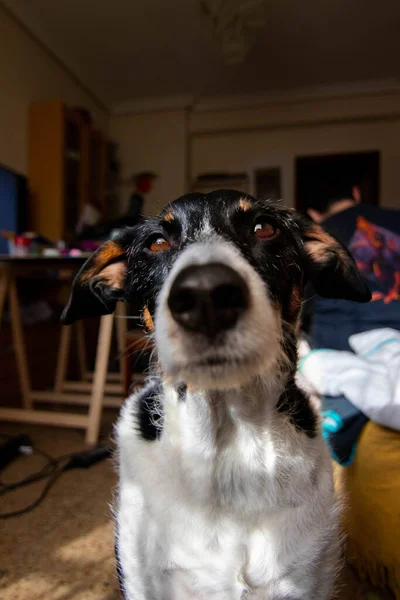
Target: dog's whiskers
x=128, y=317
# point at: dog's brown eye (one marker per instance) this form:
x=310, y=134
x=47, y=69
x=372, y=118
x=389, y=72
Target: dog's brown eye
x=265, y=230
x=159, y=244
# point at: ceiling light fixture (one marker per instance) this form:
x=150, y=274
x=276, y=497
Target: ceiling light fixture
x=236, y=24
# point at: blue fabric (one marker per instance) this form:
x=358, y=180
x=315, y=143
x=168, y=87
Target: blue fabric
x=342, y=424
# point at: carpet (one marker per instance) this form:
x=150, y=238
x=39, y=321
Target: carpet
x=63, y=549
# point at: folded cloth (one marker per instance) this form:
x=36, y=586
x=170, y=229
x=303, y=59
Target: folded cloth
x=369, y=379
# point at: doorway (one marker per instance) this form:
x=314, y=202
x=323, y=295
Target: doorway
x=314, y=173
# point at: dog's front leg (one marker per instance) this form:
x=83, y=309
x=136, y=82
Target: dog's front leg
x=130, y=569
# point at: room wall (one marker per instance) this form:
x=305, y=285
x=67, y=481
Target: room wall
x=153, y=142
x=181, y=144
x=241, y=140
x=291, y=110
x=243, y=151
x=27, y=74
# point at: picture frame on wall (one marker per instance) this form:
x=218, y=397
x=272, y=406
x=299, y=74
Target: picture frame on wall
x=271, y=178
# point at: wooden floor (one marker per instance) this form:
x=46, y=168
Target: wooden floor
x=63, y=550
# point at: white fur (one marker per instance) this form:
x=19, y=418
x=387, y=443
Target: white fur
x=232, y=502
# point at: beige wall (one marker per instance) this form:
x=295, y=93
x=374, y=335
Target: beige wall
x=180, y=145
x=241, y=140
x=242, y=151
x=155, y=142
x=27, y=74
x=289, y=111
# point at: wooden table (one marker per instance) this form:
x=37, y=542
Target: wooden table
x=95, y=390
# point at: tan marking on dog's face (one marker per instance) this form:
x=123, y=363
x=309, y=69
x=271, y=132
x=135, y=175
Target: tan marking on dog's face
x=244, y=204
x=295, y=301
x=169, y=216
x=320, y=246
x=109, y=252
x=114, y=275
x=318, y=234
x=147, y=318
x=277, y=306
x=317, y=251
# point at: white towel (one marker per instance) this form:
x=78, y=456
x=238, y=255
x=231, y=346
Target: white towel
x=370, y=378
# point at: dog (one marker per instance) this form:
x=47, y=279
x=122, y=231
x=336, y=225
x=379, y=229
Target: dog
x=225, y=483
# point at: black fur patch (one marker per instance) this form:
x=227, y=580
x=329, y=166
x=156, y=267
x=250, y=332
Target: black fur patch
x=149, y=415
x=296, y=405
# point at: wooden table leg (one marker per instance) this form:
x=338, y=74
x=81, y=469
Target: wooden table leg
x=4, y=281
x=80, y=337
x=62, y=360
x=19, y=345
x=99, y=380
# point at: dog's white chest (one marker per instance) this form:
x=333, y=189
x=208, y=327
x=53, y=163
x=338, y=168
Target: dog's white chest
x=204, y=557
x=201, y=521
x=201, y=557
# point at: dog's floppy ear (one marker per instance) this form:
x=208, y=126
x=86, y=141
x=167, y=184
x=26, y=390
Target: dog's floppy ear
x=329, y=266
x=98, y=285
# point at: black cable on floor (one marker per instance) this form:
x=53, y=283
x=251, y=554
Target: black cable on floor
x=53, y=469
x=22, y=511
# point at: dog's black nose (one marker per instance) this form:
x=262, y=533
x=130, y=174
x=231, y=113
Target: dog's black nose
x=208, y=298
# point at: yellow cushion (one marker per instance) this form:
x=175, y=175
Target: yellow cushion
x=371, y=493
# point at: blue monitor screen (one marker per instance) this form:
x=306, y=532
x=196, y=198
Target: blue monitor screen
x=12, y=204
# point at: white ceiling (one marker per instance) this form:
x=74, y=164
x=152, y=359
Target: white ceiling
x=128, y=50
